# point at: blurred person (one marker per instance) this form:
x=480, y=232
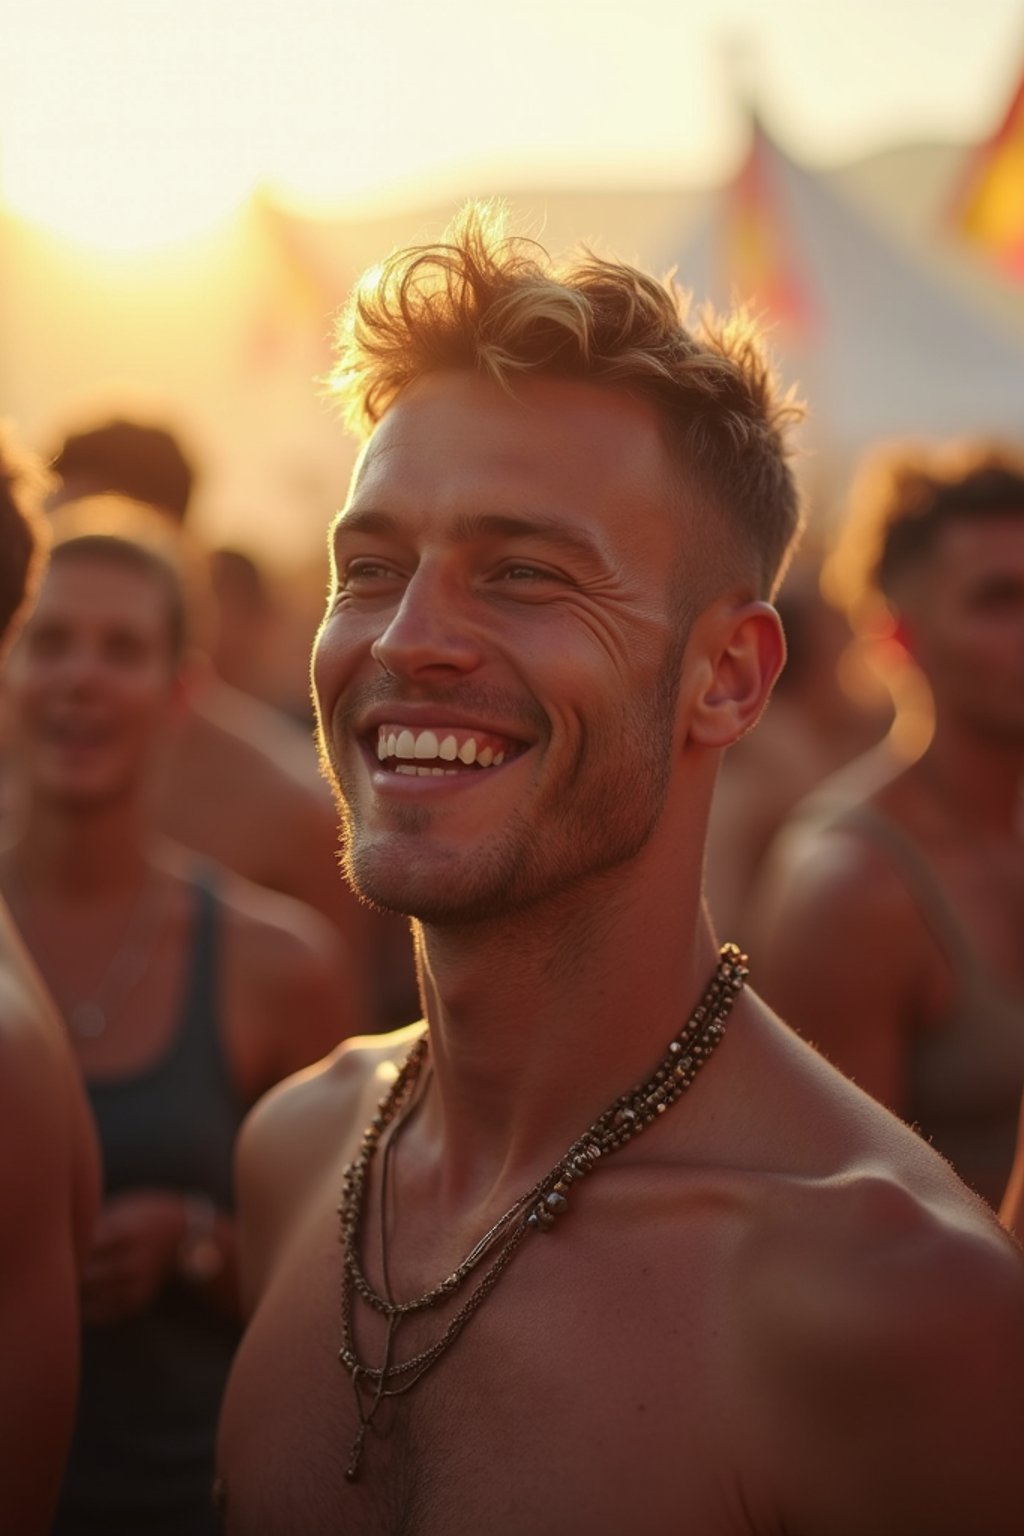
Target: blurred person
x=187, y=993
x=776, y=1309
x=813, y=725
x=892, y=927
x=245, y=620
x=49, y=1165
x=242, y=783
x=139, y=460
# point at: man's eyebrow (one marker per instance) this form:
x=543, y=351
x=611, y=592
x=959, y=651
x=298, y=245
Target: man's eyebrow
x=364, y=520
x=552, y=531
x=543, y=528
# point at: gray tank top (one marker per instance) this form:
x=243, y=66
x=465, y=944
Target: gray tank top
x=142, y=1455
x=965, y=1075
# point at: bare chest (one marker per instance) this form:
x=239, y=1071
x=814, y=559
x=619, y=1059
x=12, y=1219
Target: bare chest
x=589, y=1392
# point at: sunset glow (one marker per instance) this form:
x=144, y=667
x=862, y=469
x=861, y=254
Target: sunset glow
x=132, y=124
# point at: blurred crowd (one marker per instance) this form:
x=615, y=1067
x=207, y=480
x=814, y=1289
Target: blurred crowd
x=175, y=910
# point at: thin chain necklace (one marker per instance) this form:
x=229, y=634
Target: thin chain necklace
x=537, y=1210
x=89, y=1016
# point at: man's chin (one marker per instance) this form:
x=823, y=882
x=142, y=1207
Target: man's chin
x=436, y=897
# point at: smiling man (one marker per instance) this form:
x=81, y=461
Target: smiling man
x=616, y=1249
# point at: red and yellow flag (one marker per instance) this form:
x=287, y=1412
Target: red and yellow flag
x=761, y=266
x=989, y=206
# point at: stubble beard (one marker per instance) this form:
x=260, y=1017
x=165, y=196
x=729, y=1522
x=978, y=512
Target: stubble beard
x=597, y=816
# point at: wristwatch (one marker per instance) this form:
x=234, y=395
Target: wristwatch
x=200, y=1257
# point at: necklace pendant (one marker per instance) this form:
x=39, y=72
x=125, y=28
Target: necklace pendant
x=355, y=1456
x=88, y=1021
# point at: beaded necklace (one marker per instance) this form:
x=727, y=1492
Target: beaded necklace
x=537, y=1210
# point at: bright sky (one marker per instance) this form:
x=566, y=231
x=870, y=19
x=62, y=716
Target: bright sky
x=127, y=123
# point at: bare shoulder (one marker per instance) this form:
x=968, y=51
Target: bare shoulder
x=831, y=896
x=295, y=1142
x=880, y=1310
x=324, y=1102
x=291, y=984
x=892, y=1334
x=835, y=862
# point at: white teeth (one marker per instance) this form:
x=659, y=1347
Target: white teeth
x=424, y=746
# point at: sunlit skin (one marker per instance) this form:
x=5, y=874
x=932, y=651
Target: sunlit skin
x=959, y=617
x=494, y=601
x=734, y=1331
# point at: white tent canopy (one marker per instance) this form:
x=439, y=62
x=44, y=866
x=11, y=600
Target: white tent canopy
x=885, y=350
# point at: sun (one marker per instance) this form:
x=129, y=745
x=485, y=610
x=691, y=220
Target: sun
x=112, y=128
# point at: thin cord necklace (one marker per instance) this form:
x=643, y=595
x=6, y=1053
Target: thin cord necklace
x=89, y=1016
x=536, y=1210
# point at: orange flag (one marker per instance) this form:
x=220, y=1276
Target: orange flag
x=761, y=267
x=989, y=206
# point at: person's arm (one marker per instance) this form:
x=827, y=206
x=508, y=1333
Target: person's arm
x=842, y=957
x=48, y=1186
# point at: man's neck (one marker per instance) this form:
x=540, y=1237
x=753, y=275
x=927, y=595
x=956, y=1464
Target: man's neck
x=538, y=1021
x=79, y=853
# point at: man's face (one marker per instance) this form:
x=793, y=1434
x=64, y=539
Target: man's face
x=90, y=681
x=496, y=673
x=965, y=620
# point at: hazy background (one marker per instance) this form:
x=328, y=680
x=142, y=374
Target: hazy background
x=187, y=189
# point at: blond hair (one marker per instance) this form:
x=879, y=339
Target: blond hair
x=498, y=305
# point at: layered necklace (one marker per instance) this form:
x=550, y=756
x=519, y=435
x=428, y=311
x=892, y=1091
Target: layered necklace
x=537, y=1209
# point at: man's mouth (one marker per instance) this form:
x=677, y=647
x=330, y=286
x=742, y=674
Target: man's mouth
x=441, y=750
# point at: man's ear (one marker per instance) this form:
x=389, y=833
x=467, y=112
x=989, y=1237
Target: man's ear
x=745, y=655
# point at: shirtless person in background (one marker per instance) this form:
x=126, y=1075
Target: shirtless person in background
x=241, y=782
x=49, y=1167
x=925, y=874
x=774, y=1310
x=187, y=992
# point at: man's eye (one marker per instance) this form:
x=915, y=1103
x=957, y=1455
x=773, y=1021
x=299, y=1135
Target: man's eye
x=357, y=572
x=521, y=570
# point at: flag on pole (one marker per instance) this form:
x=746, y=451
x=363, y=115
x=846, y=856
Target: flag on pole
x=988, y=208
x=761, y=267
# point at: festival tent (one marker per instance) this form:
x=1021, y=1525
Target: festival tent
x=879, y=347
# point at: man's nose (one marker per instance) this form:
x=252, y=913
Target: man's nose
x=433, y=627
